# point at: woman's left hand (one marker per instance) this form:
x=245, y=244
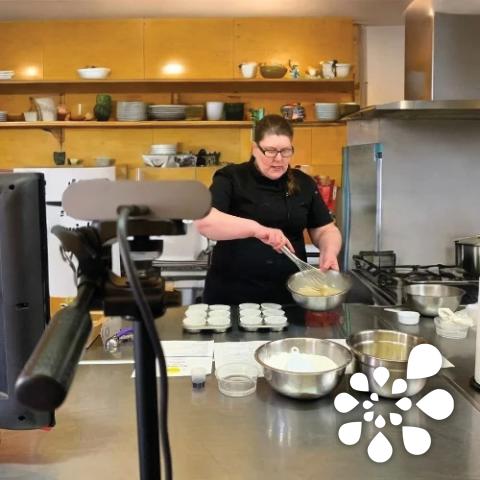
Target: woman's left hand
x=328, y=262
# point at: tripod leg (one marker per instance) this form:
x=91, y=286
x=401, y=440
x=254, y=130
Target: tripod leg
x=146, y=399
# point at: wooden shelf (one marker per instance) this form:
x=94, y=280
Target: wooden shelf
x=178, y=85
x=107, y=81
x=153, y=124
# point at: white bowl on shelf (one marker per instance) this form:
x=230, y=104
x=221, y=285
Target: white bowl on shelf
x=156, y=160
x=93, y=72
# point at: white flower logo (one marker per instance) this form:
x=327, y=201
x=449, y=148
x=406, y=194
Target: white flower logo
x=424, y=361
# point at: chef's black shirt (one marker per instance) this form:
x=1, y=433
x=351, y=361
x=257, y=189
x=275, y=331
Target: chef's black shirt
x=247, y=270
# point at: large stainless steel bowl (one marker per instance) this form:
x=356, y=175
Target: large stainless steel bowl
x=304, y=385
x=335, y=279
x=389, y=349
x=428, y=298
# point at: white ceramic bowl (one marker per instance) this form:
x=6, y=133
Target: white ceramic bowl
x=93, y=73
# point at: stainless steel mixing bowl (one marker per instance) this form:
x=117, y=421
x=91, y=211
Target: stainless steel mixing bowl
x=342, y=281
x=428, y=298
x=389, y=349
x=304, y=385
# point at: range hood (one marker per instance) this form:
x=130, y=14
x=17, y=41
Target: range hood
x=442, y=58
x=442, y=63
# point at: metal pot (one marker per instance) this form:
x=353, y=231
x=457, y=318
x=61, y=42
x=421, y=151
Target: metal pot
x=389, y=349
x=304, y=385
x=467, y=254
x=427, y=298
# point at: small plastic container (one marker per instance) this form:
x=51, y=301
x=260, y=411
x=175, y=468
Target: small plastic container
x=237, y=379
x=451, y=330
x=199, y=376
x=249, y=306
x=406, y=317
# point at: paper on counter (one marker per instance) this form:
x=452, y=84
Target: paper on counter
x=343, y=341
x=181, y=356
x=181, y=348
x=229, y=352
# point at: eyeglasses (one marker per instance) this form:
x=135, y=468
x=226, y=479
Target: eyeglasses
x=272, y=152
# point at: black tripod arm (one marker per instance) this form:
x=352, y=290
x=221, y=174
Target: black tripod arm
x=45, y=380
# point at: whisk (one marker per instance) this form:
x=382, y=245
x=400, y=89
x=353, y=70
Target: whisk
x=316, y=277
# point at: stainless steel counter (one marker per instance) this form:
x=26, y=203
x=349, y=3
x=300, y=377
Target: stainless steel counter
x=262, y=436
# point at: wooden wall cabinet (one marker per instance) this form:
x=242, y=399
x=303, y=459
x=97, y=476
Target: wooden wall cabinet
x=143, y=55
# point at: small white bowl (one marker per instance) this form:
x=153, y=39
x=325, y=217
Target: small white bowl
x=249, y=306
x=274, y=306
x=93, y=73
x=219, y=306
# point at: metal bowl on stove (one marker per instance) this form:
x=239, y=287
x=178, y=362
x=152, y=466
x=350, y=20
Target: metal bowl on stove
x=389, y=349
x=427, y=298
x=334, y=279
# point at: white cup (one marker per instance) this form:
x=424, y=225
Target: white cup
x=30, y=116
x=249, y=69
x=214, y=110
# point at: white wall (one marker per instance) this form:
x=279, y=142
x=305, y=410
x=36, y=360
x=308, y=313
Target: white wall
x=383, y=64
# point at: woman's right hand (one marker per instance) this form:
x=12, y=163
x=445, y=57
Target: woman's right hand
x=273, y=237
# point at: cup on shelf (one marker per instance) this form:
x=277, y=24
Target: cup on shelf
x=30, y=116
x=249, y=69
x=214, y=110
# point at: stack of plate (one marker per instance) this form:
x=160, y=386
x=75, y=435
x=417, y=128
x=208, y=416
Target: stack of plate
x=164, y=149
x=166, y=112
x=160, y=154
x=326, y=112
x=3, y=116
x=6, y=74
x=131, y=111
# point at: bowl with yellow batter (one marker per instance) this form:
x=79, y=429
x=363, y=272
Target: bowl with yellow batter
x=311, y=296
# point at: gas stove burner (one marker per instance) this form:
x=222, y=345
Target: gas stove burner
x=389, y=279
